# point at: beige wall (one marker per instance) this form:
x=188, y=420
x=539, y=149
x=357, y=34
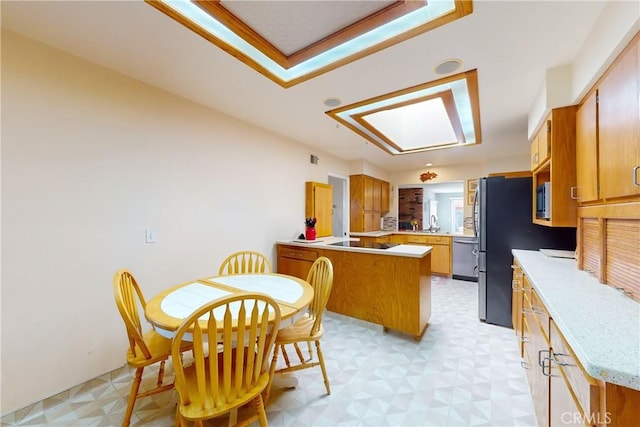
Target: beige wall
x=90, y=159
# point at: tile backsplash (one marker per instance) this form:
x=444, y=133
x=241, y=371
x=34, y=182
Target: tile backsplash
x=389, y=223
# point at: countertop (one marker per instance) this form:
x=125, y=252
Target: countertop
x=414, y=251
x=383, y=233
x=601, y=325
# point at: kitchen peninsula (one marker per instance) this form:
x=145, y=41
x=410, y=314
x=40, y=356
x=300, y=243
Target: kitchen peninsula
x=387, y=284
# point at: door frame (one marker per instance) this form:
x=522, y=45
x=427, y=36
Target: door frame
x=344, y=203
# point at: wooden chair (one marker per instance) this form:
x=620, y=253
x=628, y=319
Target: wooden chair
x=245, y=262
x=145, y=348
x=219, y=384
x=308, y=328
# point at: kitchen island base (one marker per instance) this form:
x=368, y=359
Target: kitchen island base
x=387, y=289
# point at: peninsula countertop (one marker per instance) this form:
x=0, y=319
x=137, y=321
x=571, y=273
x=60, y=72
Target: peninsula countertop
x=382, y=233
x=601, y=325
x=414, y=251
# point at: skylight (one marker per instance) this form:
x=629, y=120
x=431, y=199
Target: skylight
x=432, y=115
x=218, y=25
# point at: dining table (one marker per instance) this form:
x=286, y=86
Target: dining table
x=166, y=310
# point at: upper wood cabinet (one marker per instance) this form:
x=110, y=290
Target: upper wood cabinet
x=556, y=144
x=619, y=125
x=319, y=204
x=587, y=149
x=384, y=197
x=369, y=201
x=541, y=145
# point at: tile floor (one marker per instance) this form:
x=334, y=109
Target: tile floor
x=462, y=373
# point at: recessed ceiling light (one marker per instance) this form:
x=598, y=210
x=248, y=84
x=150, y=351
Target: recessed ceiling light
x=332, y=102
x=429, y=164
x=448, y=66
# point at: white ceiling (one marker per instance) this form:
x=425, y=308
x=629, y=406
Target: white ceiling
x=510, y=43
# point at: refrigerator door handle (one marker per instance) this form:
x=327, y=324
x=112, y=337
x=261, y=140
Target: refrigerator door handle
x=474, y=213
x=482, y=261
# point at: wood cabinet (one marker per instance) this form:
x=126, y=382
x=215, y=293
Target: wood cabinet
x=319, y=204
x=619, y=126
x=295, y=261
x=557, y=148
x=517, y=285
x=389, y=290
x=384, y=197
x=368, y=203
x=541, y=144
x=587, y=149
x=441, y=257
x=608, y=133
x=536, y=349
x=608, y=166
x=563, y=393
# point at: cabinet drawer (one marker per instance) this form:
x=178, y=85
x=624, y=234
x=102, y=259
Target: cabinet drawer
x=438, y=240
x=420, y=240
x=542, y=315
x=303, y=254
x=584, y=388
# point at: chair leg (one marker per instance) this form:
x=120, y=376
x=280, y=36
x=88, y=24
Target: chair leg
x=299, y=352
x=285, y=355
x=272, y=370
x=262, y=414
x=161, y=374
x=133, y=394
x=324, y=370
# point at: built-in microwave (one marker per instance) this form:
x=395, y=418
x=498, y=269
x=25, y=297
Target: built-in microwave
x=543, y=201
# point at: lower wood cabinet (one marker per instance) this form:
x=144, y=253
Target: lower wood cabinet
x=562, y=392
x=295, y=261
x=441, y=258
x=391, y=290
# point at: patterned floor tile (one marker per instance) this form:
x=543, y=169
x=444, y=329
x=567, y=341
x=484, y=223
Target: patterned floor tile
x=462, y=373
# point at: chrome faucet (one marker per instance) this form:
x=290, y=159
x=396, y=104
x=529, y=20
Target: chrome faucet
x=433, y=221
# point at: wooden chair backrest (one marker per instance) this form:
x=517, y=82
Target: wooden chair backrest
x=128, y=295
x=321, y=279
x=237, y=367
x=245, y=262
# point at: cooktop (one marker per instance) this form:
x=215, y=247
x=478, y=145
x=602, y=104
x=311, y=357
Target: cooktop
x=368, y=245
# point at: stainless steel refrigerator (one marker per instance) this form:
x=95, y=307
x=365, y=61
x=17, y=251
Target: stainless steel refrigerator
x=502, y=222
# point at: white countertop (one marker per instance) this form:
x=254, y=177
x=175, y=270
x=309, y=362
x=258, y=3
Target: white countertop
x=601, y=325
x=382, y=233
x=414, y=251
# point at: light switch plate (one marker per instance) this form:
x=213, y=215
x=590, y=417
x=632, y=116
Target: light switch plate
x=151, y=235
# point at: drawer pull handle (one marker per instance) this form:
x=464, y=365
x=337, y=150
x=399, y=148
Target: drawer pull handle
x=555, y=355
x=540, y=360
x=524, y=364
x=546, y=373
x=525, y=339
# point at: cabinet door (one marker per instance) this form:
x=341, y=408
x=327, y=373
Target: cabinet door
x=537, y=350
x=368, y=194
x=563, y=411
x=377, y=196
x=371, y=220
x=619, y=126
x=516, y=301
x=319, y=204
x=384, y=197
x=587, y=149
x=295, y=261
x=544, y=141
x=534, y=152
x=441, y=259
